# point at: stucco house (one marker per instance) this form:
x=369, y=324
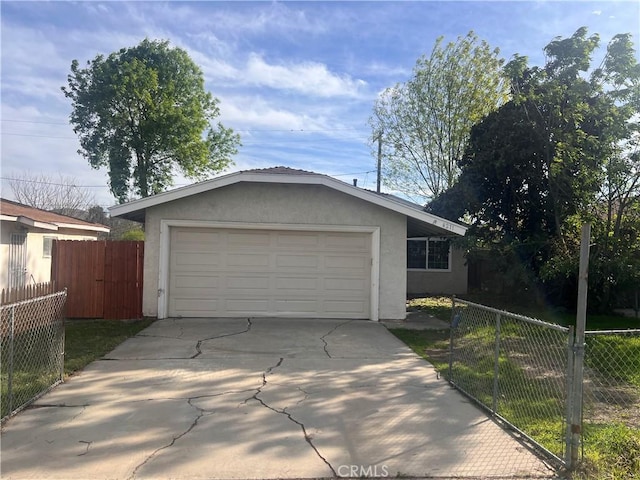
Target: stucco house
x=26, y=238
x=285, y=242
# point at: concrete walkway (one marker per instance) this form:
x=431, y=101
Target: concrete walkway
x=259, y=398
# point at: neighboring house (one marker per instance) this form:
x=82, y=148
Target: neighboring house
x=26, y=237
x=284, y=242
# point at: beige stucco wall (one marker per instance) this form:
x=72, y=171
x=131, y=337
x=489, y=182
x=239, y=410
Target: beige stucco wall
x=452, y=282
x=38, y=266
x=286, y=204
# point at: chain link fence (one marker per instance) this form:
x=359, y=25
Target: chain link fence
x=611, y=400
x=515, y=367
x=522, y=370
x=31, y=350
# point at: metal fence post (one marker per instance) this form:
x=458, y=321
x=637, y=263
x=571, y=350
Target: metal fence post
x=569, y=397
x=451, y=329
x=11, y=341
x=579, y=345
x=496, y=365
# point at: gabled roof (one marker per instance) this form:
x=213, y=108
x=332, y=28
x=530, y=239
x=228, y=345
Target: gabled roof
x=423, y=223
x=34, y=217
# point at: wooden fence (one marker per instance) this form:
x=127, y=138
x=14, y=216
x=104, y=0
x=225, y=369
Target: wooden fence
x=103, y=278
x=13, y=295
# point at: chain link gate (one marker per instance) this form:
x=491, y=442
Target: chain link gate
x=514, y=367
x=31, y=350
x=611, y=397
x=523, y=371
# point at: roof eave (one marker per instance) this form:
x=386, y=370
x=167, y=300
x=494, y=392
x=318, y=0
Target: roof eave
x=90, y=228
x=130, y=209
x=30, y=222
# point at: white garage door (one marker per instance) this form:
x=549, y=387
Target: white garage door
x=238, y=272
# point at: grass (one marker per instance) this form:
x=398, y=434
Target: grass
x=35, y=367
x=606, y=321
x=533, y=402
x=88, y=340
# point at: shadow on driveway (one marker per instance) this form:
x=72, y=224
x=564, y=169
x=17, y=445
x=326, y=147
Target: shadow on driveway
x=259, y=398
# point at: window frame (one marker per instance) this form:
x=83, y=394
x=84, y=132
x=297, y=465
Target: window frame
x=51, y=238
x=426, y=266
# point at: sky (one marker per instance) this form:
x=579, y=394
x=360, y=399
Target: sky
x=296, y=80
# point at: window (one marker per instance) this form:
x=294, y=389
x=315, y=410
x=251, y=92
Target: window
x=47, y=246
x=428, y=254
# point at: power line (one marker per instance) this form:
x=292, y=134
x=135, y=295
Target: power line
x=42, y=182
x=245, y=130
x=348, y=174
x=14, y=134
x=34, y=121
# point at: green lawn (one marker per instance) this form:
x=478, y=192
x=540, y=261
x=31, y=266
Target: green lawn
x=88, y=340
x=441, y=308
x=35, y=369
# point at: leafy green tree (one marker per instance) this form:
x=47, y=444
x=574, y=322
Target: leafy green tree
x=563, y=151
x=424, y=124
x=133, y=234
x=143, y=112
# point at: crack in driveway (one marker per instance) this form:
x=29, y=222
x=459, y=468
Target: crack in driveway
x=323, y=337
x=199, y=344
x=284, y=412
x=201, y=413
x=88, y=444
x=175, y=322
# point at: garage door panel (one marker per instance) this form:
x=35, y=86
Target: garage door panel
x=247, y=305
x=196, y=258
x=347, y=262
x=301, y=262
x=298, y=241
x=197, y=237
x=248, y=282
x=302, y=307
x=193, y=306
x=345, y=284
x=296, y=283
x=340, y=306
x=197, y=281
x=248, y=260
x=347, y=242
x=268, y=273
x=249, y=238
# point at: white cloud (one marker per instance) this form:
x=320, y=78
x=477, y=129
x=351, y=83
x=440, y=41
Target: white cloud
x=597, y=12
x=247, y=113
x=310, y=78
x=386, y=70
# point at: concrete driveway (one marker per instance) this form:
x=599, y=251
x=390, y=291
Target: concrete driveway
x=259, y=398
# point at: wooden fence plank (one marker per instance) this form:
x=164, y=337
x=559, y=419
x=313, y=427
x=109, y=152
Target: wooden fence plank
x=104, y=278
x=27, y=292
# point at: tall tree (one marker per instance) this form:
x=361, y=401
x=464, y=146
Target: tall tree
x=563, y=151
x=143, y=111
x=59, y=193
x=424, y=124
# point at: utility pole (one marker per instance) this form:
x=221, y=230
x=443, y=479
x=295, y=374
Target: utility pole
x=379, y=160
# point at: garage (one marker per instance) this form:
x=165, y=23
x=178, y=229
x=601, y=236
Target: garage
x=232, y=272
x=280, y=242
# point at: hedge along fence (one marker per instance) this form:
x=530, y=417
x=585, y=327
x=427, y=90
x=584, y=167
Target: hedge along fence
x=31, y=350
